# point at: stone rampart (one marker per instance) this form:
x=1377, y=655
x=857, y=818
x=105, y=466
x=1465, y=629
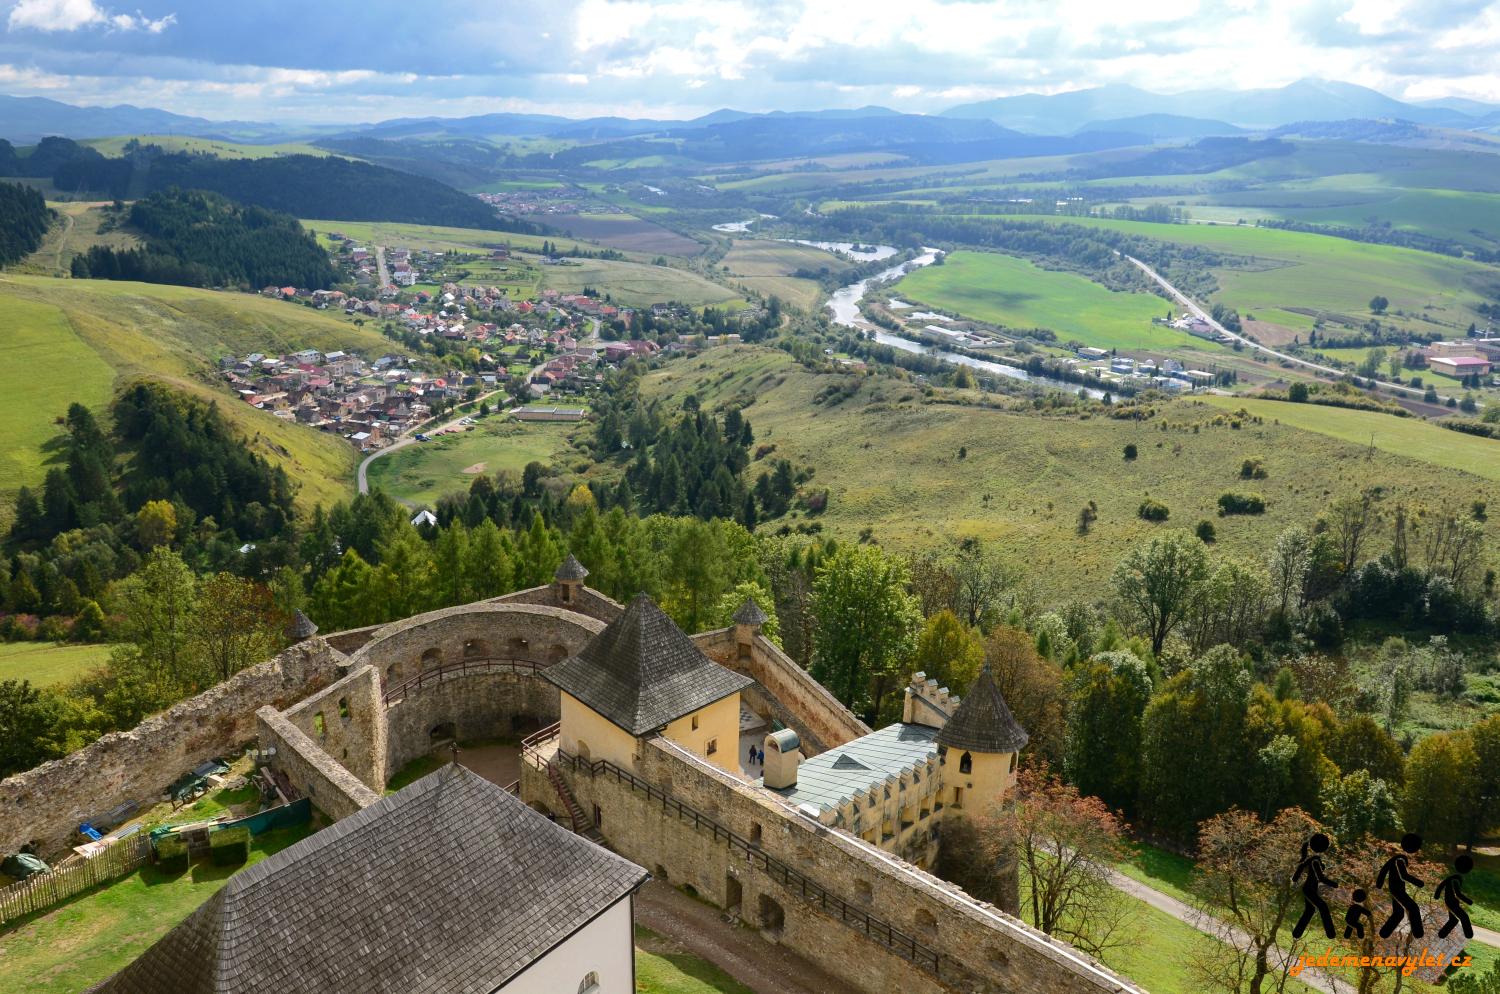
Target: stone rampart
x=45, y=805
x=583, y=601
x=316, y=775
x=943, y=940
x=347, y=721
x=471, y=708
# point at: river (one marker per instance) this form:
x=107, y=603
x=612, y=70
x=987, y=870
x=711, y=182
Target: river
x=845, y=306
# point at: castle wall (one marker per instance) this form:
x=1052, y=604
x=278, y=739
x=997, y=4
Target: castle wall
x=816, y=715
x=45, y=805
x=347, y=720
x=943, y=941
x=316, y=775
x=540, y=634
x=478, y=706
x=584, y=601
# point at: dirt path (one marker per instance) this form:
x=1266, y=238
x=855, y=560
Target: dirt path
x=62, y=243
x=696, y=928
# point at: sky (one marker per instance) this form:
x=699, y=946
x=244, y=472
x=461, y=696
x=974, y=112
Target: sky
x=337, y=61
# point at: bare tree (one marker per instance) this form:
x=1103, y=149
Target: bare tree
x=1349, y=521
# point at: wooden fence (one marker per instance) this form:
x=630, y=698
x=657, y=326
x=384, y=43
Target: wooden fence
x=46, y=889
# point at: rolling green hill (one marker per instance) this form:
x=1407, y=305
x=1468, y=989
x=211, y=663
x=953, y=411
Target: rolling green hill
x=890, y=459
x=80, y=340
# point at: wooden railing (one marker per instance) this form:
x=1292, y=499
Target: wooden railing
x=793, y=880
x=463, y=667
x=46, y=889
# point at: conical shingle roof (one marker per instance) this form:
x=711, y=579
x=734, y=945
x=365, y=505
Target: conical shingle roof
x=301, y=627
x=641, y=672
x=571, y=569
x=750, y=613
x=983, y=722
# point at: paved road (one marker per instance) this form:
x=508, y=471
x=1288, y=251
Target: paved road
x=381, y=273
x=1199, y=312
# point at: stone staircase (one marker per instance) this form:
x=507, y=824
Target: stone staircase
x=582, y=825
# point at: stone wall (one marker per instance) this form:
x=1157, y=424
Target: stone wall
x=817, y=715
x=316, y=775
x=401, y=650
x=45, y=805
x=585, y=601
x=347, y=721
x=979, y=949
x=474, y=707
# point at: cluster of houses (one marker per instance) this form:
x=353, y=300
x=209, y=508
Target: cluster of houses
x=368, y=403
x=1199, y=328
x=1169, y=374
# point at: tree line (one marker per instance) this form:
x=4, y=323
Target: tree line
x=24, y=220
x=195, y=238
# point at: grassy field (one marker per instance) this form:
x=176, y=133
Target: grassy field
x=76, y=231
x=439, y=239
x=48, y=663
x=636, y=284
x=72, y=340
x=1007, y=291
x=890, y=462
x=662, y=968
x=766, y=266
x=622, y=231
x=424, y=472
x=44, y=367
x=207, y=146
x=1411, y=438
x=1289, y=269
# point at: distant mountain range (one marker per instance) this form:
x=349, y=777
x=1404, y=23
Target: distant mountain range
x=1304, y=100
x=1106, y=110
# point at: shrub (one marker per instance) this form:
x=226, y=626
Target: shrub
x=1153, y=510
x=1252, y=469
x=1206, y=532
x=1130, y=451
x=229, y=846
x=1241, y=504
x=1297, y=393
x=171, y=854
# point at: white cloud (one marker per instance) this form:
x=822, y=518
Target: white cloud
x=73, y=15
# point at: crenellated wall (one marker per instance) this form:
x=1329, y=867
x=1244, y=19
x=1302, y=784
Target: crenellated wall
x=45, y=805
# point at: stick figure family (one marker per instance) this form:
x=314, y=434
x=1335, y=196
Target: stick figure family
x=1394, y=876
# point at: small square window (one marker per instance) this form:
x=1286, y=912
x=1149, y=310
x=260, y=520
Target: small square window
x=713, y=746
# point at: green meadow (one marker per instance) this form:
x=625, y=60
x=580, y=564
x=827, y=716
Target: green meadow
x=1012, y=292
x=426, y=471
x=766, y=266
x=49, y=663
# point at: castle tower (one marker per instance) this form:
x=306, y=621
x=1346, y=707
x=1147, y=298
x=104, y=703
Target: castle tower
x=980, y=744
x=569, y=577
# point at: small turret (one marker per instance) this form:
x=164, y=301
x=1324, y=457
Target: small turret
x=980, y=744
x=300, y=628
x=747, y=624
x=569, y=578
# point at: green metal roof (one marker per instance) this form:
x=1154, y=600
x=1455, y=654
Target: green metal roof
x=831, y=778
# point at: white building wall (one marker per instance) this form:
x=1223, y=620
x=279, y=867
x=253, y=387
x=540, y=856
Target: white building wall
x=604, y=946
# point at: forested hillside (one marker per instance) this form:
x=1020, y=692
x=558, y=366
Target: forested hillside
x=202, y=239
x=301, y=185
x=24, y=217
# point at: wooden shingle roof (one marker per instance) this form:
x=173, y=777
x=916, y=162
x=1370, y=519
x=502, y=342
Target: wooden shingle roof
x=641, y=672
x=983, y=722
x=449, y=885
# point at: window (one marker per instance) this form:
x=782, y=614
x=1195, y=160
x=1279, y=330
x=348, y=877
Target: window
x=1013, y=761
x=590, y=983
x=966, y=764
x=319, y=725
x=713, y=746
x=695, y=723
x=344, y=708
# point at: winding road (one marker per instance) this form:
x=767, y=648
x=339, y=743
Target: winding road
x=1197, y=311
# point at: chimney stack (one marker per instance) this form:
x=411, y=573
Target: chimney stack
x=783, y=754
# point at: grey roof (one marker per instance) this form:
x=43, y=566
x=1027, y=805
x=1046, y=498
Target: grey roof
x=449, y=885
x=830, y=778
x=570, y=569
x=642, y=672
x=750, y=613
x=983, y=722
x=301, y=627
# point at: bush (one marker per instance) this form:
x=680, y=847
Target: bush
x=1297, y=393
x=171, y=854
x=229, y=846
x=1153, y=510
x=1206, y=532
x=1252, y=469
x=1241, y=504
x=1130, y=451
